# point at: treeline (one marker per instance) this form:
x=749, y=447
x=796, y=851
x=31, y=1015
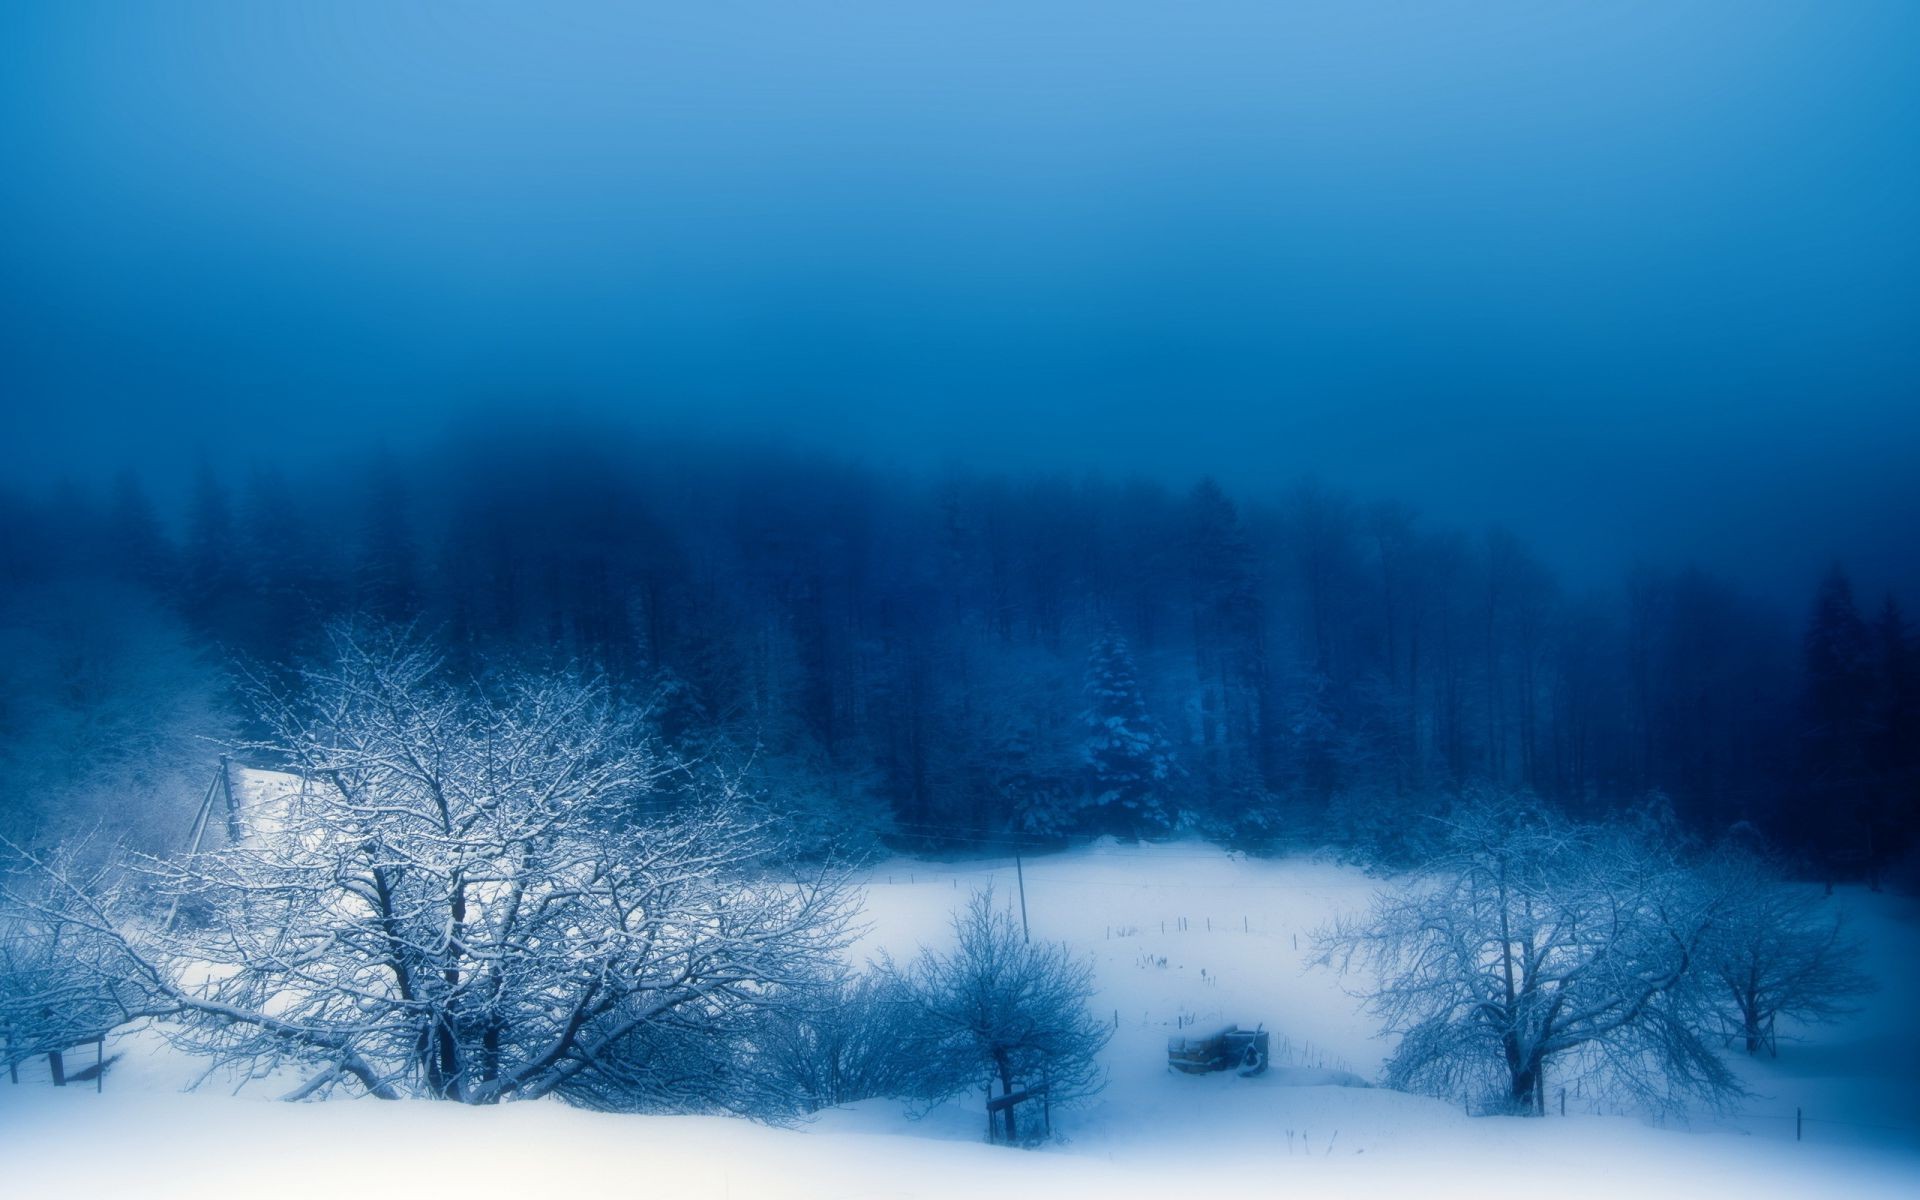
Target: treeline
x=948, y=661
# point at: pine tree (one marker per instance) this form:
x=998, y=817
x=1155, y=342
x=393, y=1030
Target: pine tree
x=1129, y=763
x=1229, y=657
x=211, y=570
x=141, y=553
x=386, y=576
x=1836, y=723
x=289, y=594
x=1893, y=750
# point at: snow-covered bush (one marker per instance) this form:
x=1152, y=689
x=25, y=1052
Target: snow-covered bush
x=845, y=1040
x=1000, y=1009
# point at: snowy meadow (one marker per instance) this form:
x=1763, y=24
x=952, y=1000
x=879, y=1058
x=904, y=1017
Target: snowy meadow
x=1180, y=936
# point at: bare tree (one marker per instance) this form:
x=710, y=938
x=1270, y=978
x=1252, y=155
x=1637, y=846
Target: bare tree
x=1000, y=1008
x=846, y=1040
x=65, y=978
x=1532, y=944
x=1776, y=951
x=465, y=899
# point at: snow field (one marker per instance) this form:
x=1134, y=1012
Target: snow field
x=1184, y=937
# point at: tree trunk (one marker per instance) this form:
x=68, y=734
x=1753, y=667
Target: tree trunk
x=1006, y=1089
x=1524, y=1084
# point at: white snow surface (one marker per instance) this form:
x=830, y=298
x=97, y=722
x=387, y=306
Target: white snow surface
x=1185, y=938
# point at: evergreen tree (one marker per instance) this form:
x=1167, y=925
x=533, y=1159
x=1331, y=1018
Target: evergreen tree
x=1229, y=657
x=386, y=577
x=1836, y=722
x=140, y=550
x=1893, y=749
x=211, y=582
x=288, y=591
x=1129, y=764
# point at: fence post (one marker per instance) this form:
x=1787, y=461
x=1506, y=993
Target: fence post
x=1563, y=1102
x=233, y=808
x=57, y=1067
x=1796, y=1124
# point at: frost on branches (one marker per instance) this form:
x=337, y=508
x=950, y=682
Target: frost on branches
x=1533, y=947
x=1000, y=1008
x=472, y=898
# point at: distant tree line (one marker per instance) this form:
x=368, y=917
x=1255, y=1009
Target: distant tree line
x=955, y=661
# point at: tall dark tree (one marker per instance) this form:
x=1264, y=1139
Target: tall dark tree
x=1129, y=763
x=137, y=543
x=1893, y=747
x=212, y=578
x=386, y=574
x=1229, y=653
x=1833, y=811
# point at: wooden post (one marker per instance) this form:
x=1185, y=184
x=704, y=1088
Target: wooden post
x=200, y=821
x=1563, y=1102
x=1021, y=875
x=99, y=1065
x=13, y=1068
x=233, y=809
x=1796, y=1124
x=58, y=1067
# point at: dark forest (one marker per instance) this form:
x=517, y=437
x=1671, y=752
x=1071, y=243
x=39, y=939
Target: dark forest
x=964, y=661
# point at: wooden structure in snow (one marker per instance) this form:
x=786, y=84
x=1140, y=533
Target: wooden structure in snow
x=1232, y=1048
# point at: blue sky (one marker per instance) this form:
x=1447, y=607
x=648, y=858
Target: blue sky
x=1638, y=280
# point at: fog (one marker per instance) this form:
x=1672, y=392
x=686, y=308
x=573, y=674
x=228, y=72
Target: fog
x=1635, y=280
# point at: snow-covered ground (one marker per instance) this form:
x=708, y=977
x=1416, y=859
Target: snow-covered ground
x=1185, y=937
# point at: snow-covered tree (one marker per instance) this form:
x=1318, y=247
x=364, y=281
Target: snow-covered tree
x=1002, y=1009
x=466, y=899
x=1530, y=946
x=1776, y=950
x=66, y=977
x=1129, y=763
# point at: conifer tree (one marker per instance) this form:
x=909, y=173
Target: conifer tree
x=1129, y=763
x=1836, y=724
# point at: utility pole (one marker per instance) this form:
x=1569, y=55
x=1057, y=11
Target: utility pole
x=1021, y=875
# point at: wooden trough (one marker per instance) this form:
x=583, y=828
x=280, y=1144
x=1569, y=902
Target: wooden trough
x=1230, y=1049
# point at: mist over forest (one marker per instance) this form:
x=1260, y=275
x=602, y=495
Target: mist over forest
x=934, y=662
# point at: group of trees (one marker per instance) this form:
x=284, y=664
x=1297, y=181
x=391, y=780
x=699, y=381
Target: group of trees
x=487, y=892
x=938, y=661
x=474, y=894
x=1608, y=954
